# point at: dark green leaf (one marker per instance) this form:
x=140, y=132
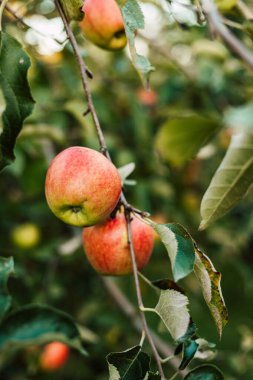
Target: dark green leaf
x=6, y=269
x=190, y=348
x=38, y=324
x=205, y=372
x=14, y=64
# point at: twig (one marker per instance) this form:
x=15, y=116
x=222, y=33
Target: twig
x=245, y=10
x=215, y=21
x=139, y=296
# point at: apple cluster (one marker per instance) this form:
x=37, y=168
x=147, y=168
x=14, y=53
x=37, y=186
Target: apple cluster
x=83, y=189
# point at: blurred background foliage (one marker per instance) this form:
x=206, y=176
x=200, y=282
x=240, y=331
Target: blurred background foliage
x=194, y=75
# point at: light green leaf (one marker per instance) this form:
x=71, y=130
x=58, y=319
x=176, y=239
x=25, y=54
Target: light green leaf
x=172, y=308
x=134, y=20
x=16, y=92
x=179, y=245
x=38, y=324
x=72, y=9
x=210, y=280
x=205, y=372
x=132, y=364
x=231, y=180
x=6, y=269
x=180, y=139
x=240, y=117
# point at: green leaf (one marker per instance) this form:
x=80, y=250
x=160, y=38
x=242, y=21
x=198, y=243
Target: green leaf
x=39, y=324
x=72, y=9
x=134, y=20
x=180, y=139
x=210, y=280
x=190, y=348
x=172, y=308
x=240, y=117
x=179, y=245
x=14, y=64
x=205, y=372
x=6, y=269
x=231, y=180
x=132, y=364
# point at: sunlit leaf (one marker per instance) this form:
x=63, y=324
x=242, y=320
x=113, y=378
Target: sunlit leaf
x=180, y=139
x=231, y=180
x=210, y=280
x=205, y=372
x=6, y=269
x=16, y=92
x=180, y=248
x=39, y=324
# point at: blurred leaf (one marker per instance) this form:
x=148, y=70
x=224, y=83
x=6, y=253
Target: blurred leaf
x=205, y=372
x=190, y=348
x=132, y=364
x=240, y=117
x=134, y=20
x=16, y=91
x=172, y=308
x=6, y=269
x=39, y=324
x=179, y=245
x=180, y=139
x=231, y=180
x=126, y=170
x=72, y=9
x=209, y=280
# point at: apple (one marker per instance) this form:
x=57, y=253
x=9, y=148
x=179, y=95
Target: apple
x=82, y=186
x=54, y=356
x=103, y=24
x=107, y=249
x=147, y=97
x=26, y=235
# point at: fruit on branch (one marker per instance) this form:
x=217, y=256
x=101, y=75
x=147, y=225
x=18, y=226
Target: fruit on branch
x=82, y=186
x=147, y=97
x=54, y=356
x=72, y=9
x=106, y=245
x=26, y=236
x=103, y=24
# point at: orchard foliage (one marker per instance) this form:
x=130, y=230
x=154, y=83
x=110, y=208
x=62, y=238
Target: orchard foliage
x=173, y=112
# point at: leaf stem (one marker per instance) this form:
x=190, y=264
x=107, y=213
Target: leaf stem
x=2, y=6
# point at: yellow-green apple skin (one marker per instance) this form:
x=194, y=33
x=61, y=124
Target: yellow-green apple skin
x=82, y=186
x=106, y=246
x=26, y=235
x=103, y=24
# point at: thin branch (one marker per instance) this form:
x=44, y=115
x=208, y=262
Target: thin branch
x=215, y=21
x=139, y=296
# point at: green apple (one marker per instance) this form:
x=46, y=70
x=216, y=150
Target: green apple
x=26, y=235
x=103, y=24
x=82, y=186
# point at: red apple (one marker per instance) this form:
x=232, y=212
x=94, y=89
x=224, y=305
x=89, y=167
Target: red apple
x=147, y=97
x=54, y=356
x=103, y=24
x=82, y=186
x=107, y=249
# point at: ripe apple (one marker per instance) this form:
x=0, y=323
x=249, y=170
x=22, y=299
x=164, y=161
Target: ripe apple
x=82, y=186
x=53, y=356
x=103, y=24
x=107, y=249
x=26, y=235
x=147, y=97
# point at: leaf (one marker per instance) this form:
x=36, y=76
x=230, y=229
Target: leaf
x=231, y=180
x=6, y=269
x=126, y=170
x=134, y=20
x=72, y=9
x=179, y=245
x=240, y=117
x=205, y=372
x=190, y=348
x=39, y=324
x=132, y=364
x=172, y=308
x=16, y=92
x=180, y=139
x=210, y=280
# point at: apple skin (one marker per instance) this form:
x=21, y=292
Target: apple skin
x=103, y=24
x=26, y=235
x=54, y=356
x=82, y=186
x=107, y=249
x=147, y=97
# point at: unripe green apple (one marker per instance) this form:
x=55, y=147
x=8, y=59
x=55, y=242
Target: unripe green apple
x=26, y=235
x=107, y=249
x=54, y=356
x=82, y=186
x=103, y=24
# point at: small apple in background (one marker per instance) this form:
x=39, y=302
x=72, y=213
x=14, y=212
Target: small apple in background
x=147, y=97
x=107, y=249
x=103, y=24
x=82, y=186
x=54, y=356
x=26, y=236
